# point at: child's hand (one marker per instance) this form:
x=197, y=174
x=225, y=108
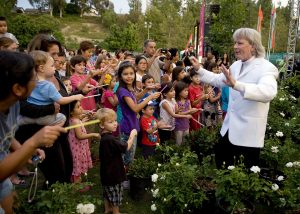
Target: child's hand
x=78, y=97
x=194, y=110
x=155, y=95
x=189, y=116
x=157, y=86
x=133, y=132
x=96, y=135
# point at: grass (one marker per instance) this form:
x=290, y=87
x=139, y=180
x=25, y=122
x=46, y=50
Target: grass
x=76, y=29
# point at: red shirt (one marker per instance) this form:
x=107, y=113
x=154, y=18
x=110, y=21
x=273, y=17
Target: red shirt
x=145, y=124
x=194, y=93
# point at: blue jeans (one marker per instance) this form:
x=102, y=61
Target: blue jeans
x=129, y=154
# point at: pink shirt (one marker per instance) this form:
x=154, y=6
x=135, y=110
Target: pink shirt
x=104, y=100
x=88, y=103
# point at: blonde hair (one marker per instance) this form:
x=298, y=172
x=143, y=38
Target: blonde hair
x=253, y=37
x=104, y=114
x=40, y=58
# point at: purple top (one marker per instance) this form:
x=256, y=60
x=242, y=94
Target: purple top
x=129, y=120
x=182, y=124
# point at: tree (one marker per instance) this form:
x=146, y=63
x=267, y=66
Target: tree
x=6, y=6
x=135, y=6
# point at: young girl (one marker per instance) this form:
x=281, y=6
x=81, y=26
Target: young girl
x=79, y=80
x=141, y=67
x=196, y=97
x=78, y=139
x=109, y=98
x=184, y=108
x=167, y=111
x=178, y=74
x=129, y=105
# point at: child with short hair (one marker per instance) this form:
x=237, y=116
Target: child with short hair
x=112, y=171
x=79, y=144
x=196, y=97
x=149, y=125
x=45, y=92
x=67, y=84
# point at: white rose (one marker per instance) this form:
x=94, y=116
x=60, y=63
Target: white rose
x=90, y=208
x=279, y=134
x=255, y=169
x=296, y=163
x=153, y=207
x=165, y=199
x=155, y=193
x=185, y=205
x=230, y=167
x=79, y=208
x=177, y=164
x=289, y=164
x=282, y=114
x=281, y=99
x=280, y=178
x=154, y=177
x=287, y=124
x=274, y=149
x=275, y=187
x=292, y=97
x=158, y=164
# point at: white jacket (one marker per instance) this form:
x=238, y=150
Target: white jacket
x=249, y=100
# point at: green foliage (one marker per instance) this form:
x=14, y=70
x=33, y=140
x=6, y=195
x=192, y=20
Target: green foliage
x=72, y=9
x=6, y=6
x=142, y=168
x=58, y=199
x=122, y=37
x=236, y=185
x=175, y=187
x=25, y=27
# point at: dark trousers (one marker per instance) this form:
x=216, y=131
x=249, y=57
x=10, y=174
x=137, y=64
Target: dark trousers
x=228, y=154
x=164, y=135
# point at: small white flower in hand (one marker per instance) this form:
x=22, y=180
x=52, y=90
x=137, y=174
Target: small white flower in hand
x=275, y=187
x=153, y=207
x=289, y=164
x=230, y=167
x=255, y=169
x=274, y=149
x=154, y=177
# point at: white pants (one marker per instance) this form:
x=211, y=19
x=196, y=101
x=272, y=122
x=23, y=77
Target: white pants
x=180, y=136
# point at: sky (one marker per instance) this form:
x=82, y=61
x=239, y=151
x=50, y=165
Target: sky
x=121, y=6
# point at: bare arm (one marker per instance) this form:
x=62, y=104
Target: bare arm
x=169, y=110
x=130, y=141
x=138, y=107
x=45, y=137
x=67, y=100
x=113, y=101
x=81, y=135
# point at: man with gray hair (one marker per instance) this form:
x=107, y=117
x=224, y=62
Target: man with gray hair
x=154, y=64
x=252, y=82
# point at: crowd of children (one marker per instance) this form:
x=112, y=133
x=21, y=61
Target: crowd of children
x=119, y=88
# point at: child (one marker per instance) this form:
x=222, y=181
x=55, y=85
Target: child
x=178, y=74
x=196, y=97
x=79, y=80
x=3, y=30
x=67, y=83
x=167, y=111
x=141, y=67
x=78, y=140
x=148, y=124
x=112, y=170
x=183, y=108
x=129, y=106
x=45, y=92
x=109, y=98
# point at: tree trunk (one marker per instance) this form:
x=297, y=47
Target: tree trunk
x=60, y=12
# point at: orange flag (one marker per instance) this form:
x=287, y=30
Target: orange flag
x=259, y=19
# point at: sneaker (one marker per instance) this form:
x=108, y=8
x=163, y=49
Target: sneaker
x=126, y=184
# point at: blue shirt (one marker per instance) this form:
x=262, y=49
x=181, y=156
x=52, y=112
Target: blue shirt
x=44, y=93
x=225, y=98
